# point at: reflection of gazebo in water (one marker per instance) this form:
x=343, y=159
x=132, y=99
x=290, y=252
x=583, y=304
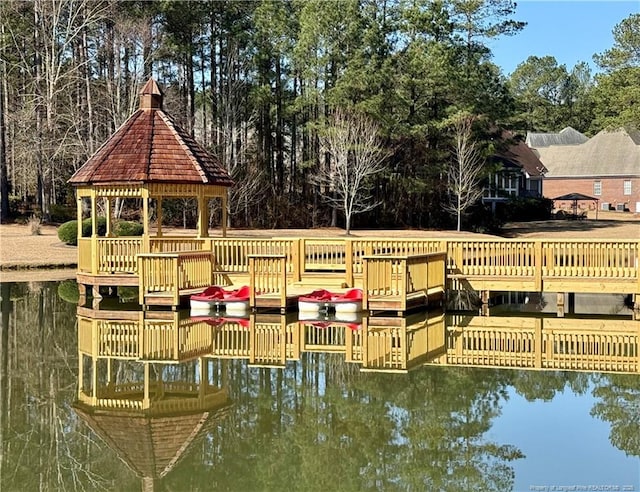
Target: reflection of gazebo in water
x=574, y=198
x=144, y=387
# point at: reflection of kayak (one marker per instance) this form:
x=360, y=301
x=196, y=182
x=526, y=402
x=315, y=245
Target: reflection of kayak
x=216, y=297
x=323, y=319
x=327, y=324
x=221, y=320
x=322, y=300
x=325, y=316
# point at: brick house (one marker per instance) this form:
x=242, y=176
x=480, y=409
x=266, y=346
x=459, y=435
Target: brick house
x=606, y=167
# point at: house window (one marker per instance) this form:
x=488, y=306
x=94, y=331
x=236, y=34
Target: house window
x=502, y=185
x=627, y=187
x=597, y=188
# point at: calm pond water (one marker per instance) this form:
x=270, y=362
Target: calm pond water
x=114, y=400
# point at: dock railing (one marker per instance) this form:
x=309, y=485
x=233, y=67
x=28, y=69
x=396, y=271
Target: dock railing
x=232, y=255
x=482, y=264
x=268, y=277
x=591, y=259
x=172, y=273
x=495, y=257
x=403, y=281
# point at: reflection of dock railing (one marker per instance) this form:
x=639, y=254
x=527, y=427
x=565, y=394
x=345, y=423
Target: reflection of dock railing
x=402, y=344
x=172, y=339
x=386, y=343
x=545, y=343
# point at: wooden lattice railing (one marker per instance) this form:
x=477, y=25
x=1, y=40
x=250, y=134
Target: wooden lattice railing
x=536, y=261
x=174, y=272
x=268, y=276
x=402, y=276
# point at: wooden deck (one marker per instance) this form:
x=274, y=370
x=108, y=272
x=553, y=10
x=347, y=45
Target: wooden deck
x=396, y=274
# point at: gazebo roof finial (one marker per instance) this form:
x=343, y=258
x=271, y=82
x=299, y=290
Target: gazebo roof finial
x=151, y=95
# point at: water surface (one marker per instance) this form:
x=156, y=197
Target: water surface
x=121, y=403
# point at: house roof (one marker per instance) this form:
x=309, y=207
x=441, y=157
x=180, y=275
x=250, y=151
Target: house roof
x=567, y=136
x=151, y=147
x=575, y=197
x=609, y=153
x=519, y=154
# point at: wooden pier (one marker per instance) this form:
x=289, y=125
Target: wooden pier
x=395, y=274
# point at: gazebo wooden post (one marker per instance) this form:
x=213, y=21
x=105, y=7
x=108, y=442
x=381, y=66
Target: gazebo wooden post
x=159, y=216
x=109, y=370
x=146, y=248
x=94, y=380
x=146, y=400
x=79, y=215
x=80, y=372
x=107, y=212
x=203, y=215
x=94, y=235
x=203, y=374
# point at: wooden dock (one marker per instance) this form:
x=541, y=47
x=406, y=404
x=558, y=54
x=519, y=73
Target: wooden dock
x=396, y=274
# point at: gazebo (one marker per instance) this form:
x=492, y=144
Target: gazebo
x=148, y=158
x=574, y=198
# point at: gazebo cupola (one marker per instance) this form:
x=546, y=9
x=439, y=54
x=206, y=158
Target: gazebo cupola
x=148, y=158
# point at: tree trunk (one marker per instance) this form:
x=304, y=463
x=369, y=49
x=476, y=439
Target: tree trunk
x=37, y=66
x=191, y=90
x=84, y=60
x=279, y=129
x=4, y=180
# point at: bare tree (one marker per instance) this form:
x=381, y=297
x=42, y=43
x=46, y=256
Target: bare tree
x=235, y=147
x=465, y=171
x=356, y=154
x=4, y=180
x=50, y=64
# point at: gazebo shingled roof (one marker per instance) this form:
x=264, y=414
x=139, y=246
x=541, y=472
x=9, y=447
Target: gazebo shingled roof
x=150, y=147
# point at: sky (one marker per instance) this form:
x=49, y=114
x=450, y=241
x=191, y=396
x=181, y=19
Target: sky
x=569, y=30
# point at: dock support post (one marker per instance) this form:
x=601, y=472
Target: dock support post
x=82, y=294
x=571, y=302
x=560, y=305
x=484, y=298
